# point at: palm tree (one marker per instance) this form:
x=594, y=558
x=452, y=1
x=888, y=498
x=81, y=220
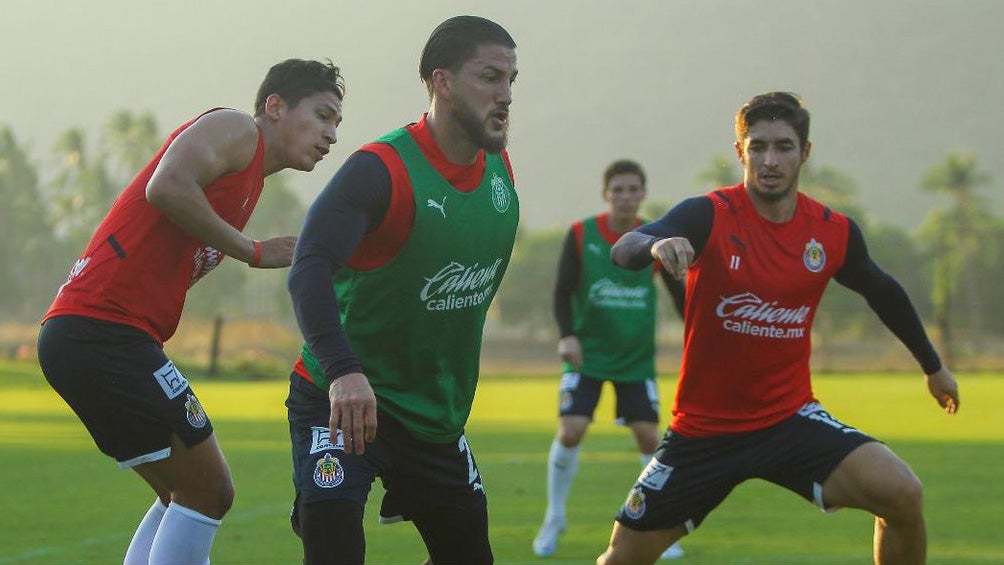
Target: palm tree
x=130, y=140
x=957, y=237
x=83, y=189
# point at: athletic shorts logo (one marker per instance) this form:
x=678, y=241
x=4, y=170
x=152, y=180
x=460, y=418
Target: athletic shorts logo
x=171, y=380
x=814, y=411
x=194, y=413
x=321, y=440
x=634, y=507
x=565, y=400
x=814, y=256
x=329, y=472
x=655, y=475
x=569, y=382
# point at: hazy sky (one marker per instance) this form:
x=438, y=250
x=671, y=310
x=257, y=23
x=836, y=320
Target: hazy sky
x=893, y=86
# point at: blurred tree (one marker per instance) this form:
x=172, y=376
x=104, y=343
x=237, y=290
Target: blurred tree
x=989, y=271
x=652, y=210
x=721, y=171
x=524, y=299
x=83, y=190
x=129, y=140
x=958, y=237
x=29, y=263
x=833, y=188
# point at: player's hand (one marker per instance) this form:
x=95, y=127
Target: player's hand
x=675, y=254
x=276, y=252
x=944, y=389
x=570, y=351
x=353, y=410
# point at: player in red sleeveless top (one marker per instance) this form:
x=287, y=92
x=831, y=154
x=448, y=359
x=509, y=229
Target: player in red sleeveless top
x=757, y=257
x=101, y=342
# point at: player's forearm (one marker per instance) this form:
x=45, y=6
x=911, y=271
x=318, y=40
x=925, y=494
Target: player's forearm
x=315, y=307
x=633, y=250
x=189, y=209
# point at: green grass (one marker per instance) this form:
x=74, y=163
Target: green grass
x=64, y=502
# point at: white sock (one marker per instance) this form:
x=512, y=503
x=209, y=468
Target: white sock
x=562, y=465
x=184, y=537
x=139, y=548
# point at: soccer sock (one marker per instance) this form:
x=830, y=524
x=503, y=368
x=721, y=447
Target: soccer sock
x=139, y=548
x=184, y=536
x=645, y=458
x=562, y=464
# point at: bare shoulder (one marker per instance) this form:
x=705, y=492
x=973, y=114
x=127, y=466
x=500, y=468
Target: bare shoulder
x=227, y=124
x=229, y=136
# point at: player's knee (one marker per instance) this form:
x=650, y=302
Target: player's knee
x=904, y=499
x=570, y=439
x=214, y=498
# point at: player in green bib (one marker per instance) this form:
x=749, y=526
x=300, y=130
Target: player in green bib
x=399, y=259
x=607, y=319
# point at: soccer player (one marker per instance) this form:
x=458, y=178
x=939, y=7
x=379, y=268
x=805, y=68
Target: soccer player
x=101, y=342
x=606, y=317
x=756, y=257
x=395, y=268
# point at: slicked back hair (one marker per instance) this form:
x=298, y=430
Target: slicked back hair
x=455, y=41
x=295, y=79
x=786, y=106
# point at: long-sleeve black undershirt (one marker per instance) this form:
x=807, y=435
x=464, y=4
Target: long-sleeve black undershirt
x=353, y=203
x=570, y=277
x=692, y=219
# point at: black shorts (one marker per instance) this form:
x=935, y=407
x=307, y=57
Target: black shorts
x=415, y=474
x=636, y=402
x=689, y=477
x=120, y=384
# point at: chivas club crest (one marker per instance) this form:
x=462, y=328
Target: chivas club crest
x=814, y=256
x=634, y=507
x=329, y=472
x=194, y=413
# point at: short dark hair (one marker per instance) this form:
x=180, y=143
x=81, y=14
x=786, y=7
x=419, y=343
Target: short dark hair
x=620, y=167
x=295, y=79
x=454, y=42
x=785, y=106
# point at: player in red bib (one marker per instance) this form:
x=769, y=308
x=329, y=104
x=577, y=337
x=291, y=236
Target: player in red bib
x=757, y=257
x=101, y=342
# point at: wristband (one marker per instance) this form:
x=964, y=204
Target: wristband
x=256, y=260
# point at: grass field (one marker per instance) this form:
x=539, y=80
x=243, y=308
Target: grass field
x=63, y=502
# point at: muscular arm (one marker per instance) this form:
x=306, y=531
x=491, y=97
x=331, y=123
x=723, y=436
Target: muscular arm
x=569, y=274
x=353, y=203
x=217, y=144
x=690, y=219
x=887, y=298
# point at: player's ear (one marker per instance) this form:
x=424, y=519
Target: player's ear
x=739, y=152
x=441, y=86
x=274, y=106
x=806, y=150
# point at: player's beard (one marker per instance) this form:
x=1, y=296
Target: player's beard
x=476, y=129
x=772, y=196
